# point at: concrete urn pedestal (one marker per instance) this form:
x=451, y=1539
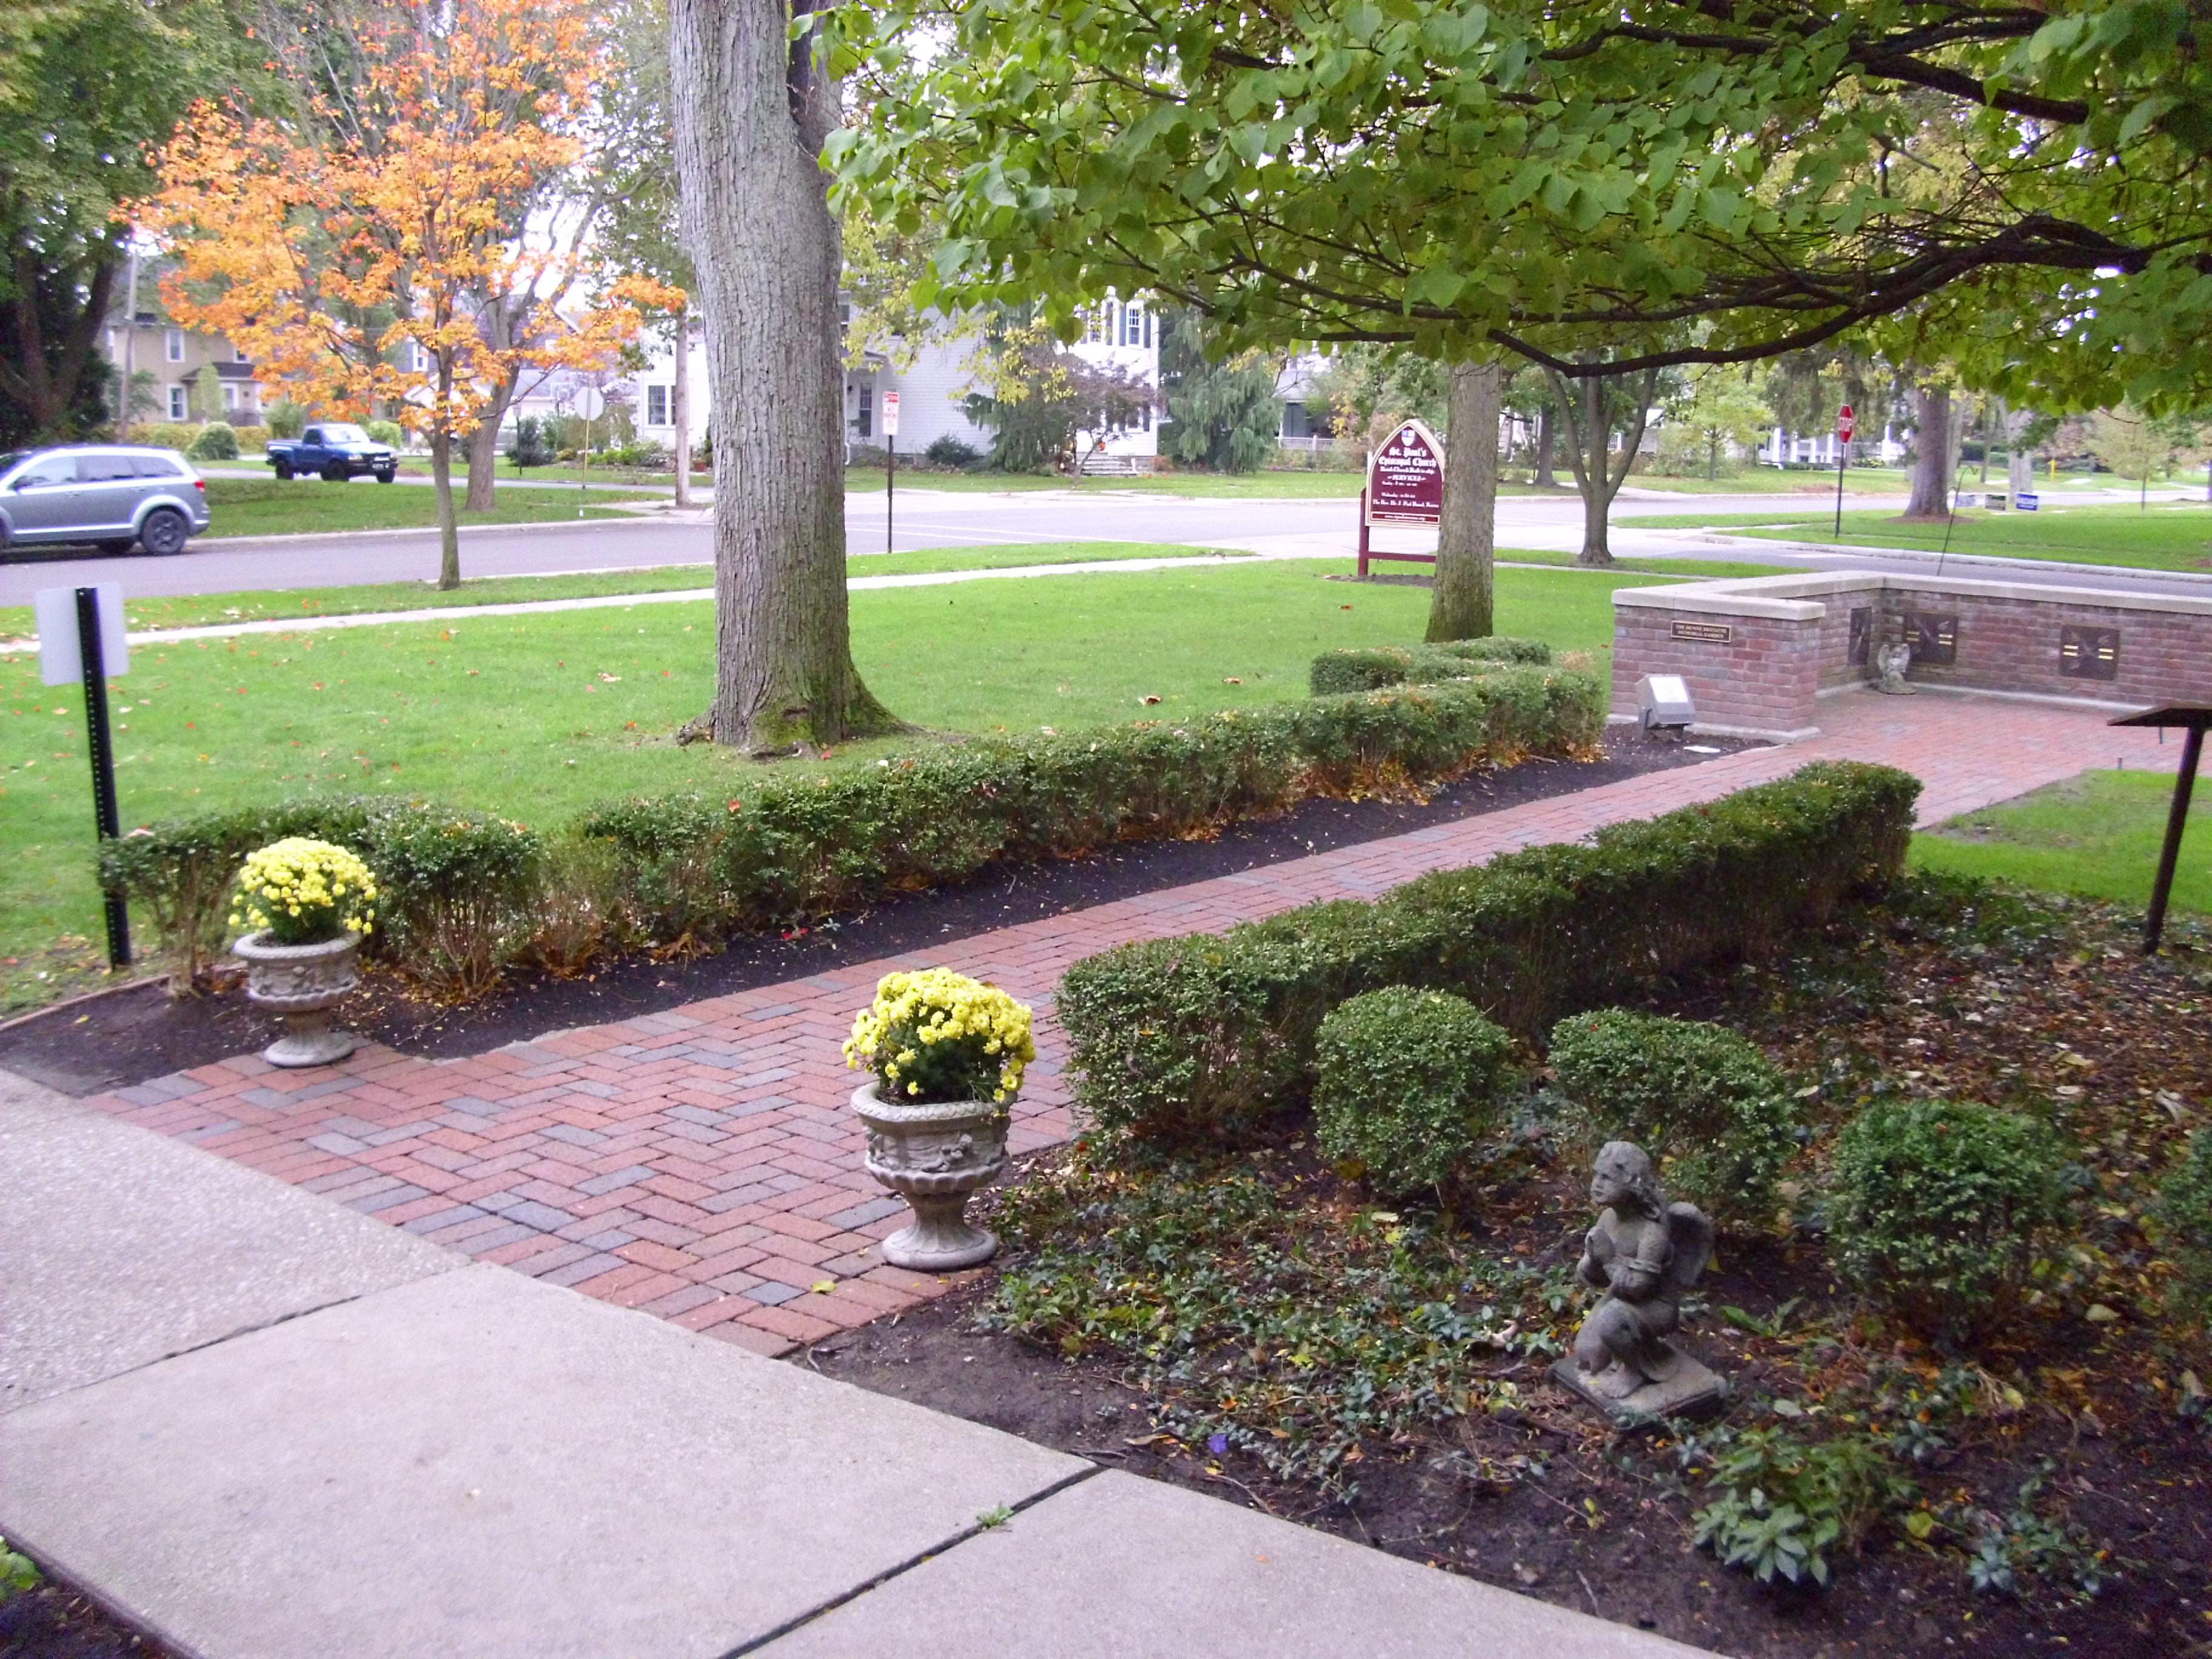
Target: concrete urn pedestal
x=301, y=983
x=933, y=1157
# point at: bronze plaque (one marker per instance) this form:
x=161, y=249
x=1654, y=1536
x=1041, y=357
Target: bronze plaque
x=1704, y=633
x=1934, y=639
x=2089, y=654
x=1862, y=635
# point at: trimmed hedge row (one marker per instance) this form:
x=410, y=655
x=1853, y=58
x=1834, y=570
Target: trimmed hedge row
x=1207, y=1035
x=694, y=866
x=457, y=891
x=1335, y=673
x=462, y=894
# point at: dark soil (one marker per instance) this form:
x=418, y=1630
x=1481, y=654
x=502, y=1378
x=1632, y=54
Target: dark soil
x=128, y=1037
x=1545, y=1500
x=52, y=1622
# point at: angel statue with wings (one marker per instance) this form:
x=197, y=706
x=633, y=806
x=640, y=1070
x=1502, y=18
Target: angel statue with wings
x=1645, y=1254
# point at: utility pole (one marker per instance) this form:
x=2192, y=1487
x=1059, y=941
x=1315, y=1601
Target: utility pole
x=129, y=346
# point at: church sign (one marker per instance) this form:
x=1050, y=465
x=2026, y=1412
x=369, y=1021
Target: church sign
x=1406, y=477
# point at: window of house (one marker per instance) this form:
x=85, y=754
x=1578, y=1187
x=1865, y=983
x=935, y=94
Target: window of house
x=1091, y=325
x=238, y=354
x=173, y=346
x=418, y=360
x=230, y=394
x=656, y=405
x=176, y=411
x=865, y=425
x=1133, y=325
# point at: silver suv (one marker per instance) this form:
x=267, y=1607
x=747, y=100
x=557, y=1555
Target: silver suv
x=100, y=493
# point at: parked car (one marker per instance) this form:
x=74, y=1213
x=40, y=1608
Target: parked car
x=336, y=451
x=106, y=494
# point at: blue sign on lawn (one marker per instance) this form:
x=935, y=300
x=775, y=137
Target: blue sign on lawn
x=2025, y=501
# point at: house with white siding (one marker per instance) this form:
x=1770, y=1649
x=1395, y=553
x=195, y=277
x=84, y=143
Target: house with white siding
x=933, y=386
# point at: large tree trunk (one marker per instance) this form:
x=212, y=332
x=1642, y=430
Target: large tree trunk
x=1588, y=410
x=1545, y=478
x=484, y=447
x=752, y=109
x=1931, y=454
x=1461, y=608
x=680, y=415
x=47, y=342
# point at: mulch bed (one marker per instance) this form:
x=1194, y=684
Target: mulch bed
x=53, y=1622
x=128, y=1037
x=1602, y=1524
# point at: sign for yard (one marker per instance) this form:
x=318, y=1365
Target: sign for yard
x=891, y=414
x=1844, y=424
x=2027, y=501
x=1406, y=477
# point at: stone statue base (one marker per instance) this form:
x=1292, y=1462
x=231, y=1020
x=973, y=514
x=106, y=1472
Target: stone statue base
x=1694, y=1390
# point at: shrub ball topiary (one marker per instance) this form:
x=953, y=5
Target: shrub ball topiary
x=2182, y=1217
x=1411, y=1084
x=216, y=441
x=387, y=432
x=1707, y=1104
x=1938, y=1209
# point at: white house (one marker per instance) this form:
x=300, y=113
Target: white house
x=932, y=390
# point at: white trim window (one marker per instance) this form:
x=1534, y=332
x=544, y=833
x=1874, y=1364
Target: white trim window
x=177, y=410
x=173, y=345
x=418, y=359
x=238, y=354
x=230, y=395
x=1133, y=323
x=656, y=405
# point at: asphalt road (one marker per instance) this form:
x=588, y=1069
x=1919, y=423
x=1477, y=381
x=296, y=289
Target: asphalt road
x=928, y=519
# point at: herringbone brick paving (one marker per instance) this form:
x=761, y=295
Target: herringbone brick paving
x=701, y=1163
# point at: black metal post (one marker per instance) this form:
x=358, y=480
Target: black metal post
x=1843, y=450
x=890, y=486
x=2175, y=819
x=103, y=761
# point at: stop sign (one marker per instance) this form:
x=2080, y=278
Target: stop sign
x=1844, y=424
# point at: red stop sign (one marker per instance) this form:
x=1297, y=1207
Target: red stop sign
x=1844, y=424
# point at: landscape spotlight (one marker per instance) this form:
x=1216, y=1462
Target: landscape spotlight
x=1662, y=703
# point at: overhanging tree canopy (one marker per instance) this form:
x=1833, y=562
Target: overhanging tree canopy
x=1677, y=183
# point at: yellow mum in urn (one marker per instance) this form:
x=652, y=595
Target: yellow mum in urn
x=949, y=1053
x=306, y=906
x=935, y=1034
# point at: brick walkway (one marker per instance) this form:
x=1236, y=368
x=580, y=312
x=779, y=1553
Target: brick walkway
x=700, y=1163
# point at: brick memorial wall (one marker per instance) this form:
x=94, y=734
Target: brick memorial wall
x=1759, y=653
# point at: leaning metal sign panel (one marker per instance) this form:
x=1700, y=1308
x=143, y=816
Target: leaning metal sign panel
x=1406, y=477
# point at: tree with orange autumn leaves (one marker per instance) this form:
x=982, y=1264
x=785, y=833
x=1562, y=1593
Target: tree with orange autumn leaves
x=383, y=253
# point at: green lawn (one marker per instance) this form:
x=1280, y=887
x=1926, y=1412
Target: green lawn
x=214, y=609
x=1651, y=567
x=537, y=716
x=1769, y=480
x=2097, y=835
x=264, y=506
x=2176, y=536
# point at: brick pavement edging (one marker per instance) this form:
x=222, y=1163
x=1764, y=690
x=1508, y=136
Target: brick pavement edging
x=700, y=1163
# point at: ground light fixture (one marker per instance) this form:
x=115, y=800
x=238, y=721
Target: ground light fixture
x=1662, y=703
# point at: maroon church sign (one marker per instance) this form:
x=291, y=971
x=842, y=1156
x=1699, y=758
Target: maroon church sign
x=1405, y=485
x=1406, y=477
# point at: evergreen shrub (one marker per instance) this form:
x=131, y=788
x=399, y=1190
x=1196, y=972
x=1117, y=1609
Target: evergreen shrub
x=1939, y=1209
x=1410, y=1085
x=1372, y=669
x=387, y=433
x=1713, y=1108
x=1207, y=1035
x=216, y=441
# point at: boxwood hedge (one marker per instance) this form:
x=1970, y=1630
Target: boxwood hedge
x=1373, y=668
x=463, y=893
x=1207, y=1035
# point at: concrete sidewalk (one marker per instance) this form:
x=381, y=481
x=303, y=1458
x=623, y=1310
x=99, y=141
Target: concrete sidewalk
x=263, y=1427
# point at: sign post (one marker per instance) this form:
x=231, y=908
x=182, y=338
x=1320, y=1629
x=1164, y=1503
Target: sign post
x=890, y=477
x=1405, y=485
x=591, y=403
x=1843, y=427
x=80, y=637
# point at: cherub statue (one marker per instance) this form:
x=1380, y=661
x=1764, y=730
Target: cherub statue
x=1890, y=662
x=1645, y=1254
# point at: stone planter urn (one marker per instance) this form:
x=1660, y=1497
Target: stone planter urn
x=933, y=1157
x=302, y=983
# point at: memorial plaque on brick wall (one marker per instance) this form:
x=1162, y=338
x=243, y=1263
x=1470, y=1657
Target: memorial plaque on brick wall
x=1862, y=635
x=1705, y=633
x=1934, y=639
x=2089, y=654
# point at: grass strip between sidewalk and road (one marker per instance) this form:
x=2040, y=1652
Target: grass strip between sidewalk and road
x=536, y=716
x=305, y=604
x=2168, y=535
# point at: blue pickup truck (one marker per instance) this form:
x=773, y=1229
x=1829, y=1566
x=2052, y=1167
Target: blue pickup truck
x=335, y=450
